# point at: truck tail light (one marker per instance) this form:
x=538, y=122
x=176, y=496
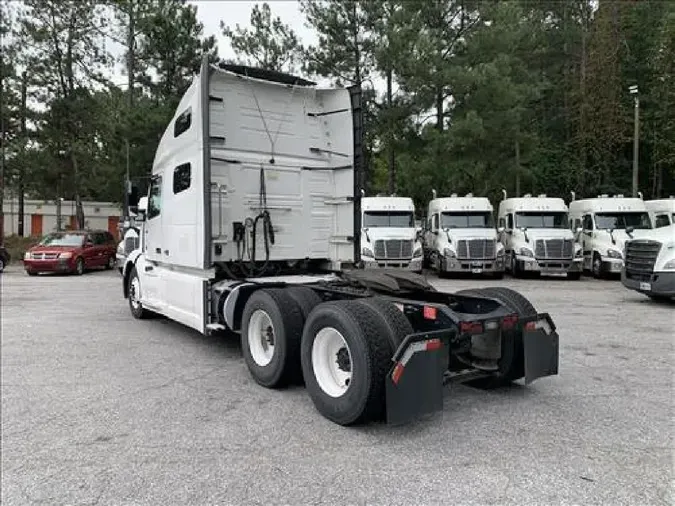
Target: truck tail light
x=471, y=327
x=509, y=321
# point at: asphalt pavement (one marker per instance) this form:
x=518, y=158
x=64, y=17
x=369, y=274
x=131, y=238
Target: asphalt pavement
x=99, y=408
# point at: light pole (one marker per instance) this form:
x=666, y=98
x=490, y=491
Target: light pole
x=633, y=90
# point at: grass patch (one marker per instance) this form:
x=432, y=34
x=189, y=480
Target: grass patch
x=17, y=246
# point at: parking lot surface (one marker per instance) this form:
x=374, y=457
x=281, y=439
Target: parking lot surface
x=99, y=408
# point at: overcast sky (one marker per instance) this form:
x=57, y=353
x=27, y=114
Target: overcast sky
x=233, y=12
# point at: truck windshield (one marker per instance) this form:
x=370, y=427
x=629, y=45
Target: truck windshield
x=397, y=219
x=619, y=221
x=481, y=219
x=541, y=220
x=62, y=240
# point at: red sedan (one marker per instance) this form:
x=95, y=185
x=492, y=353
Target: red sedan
x=73, y=251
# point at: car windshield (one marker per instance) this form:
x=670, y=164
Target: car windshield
x=620, y=221
x=62, y=240
x=541, y=220
x=398, y=219
x=482, y=219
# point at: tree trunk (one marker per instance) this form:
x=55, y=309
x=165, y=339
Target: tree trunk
x=439, y=109
x=130, y=93
x=390, y=134
x=517, y=168
x=22, y=165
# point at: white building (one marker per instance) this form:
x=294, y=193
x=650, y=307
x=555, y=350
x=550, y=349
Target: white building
x=40, y=216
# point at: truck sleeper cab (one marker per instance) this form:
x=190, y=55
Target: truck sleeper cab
x=650, y=263
x=602, y=225
x=662, y=211
x=388, y=236
x=537, y=238
x=461, y=236
x=242, y=234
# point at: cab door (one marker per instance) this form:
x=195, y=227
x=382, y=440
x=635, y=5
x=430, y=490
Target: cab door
x=149, y=269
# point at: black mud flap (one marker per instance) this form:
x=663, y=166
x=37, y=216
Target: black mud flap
x=414, y=385
x=540, y=347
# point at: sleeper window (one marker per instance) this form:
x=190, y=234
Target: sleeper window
x=182, y=122
x=181, y=178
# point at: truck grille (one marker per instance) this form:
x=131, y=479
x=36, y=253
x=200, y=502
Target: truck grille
x=476, y=249
x=554, y=248
x=393, y=248
x=130, y=244
x=640, y=258
x=44, y=256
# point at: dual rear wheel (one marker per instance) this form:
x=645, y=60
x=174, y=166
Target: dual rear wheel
x=341, y=349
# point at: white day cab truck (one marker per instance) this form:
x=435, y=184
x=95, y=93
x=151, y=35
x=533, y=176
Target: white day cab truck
x=602, y=225
x=389, y=236
x=649, y=265
x=662, y=211
x=537, y=238
x=130, y=241
x=461, y=236
x=252, y=226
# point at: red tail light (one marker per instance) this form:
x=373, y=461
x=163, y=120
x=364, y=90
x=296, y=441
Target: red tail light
x=509, y=321
x=471, y=327
x=429, y=312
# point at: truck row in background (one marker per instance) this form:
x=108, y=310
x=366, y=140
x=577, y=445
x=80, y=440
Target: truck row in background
x=539, y=234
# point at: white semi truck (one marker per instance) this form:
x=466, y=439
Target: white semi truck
x=602, y=225
x=662, y=211
x=461, y=236
x=536, y=235
x=252, y=226
x=389, y=237
x=649, y=266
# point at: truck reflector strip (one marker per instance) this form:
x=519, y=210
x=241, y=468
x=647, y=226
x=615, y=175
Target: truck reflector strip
x=429, y=345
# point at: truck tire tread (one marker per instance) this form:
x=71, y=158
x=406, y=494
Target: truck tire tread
x=286, y=316
x=366, y=333
x=399, y=326
x=305, y=297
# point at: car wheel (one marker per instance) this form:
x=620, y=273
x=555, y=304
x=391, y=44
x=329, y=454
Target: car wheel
x=2, y=264
x=79, y=266
x=31, y=273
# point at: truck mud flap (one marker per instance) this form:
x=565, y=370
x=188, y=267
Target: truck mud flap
x=540, y=347
x=414, y=385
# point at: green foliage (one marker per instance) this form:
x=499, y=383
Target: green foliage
x=270, y=44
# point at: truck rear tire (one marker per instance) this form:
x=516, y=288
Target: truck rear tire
x=270, y=337
x=346, y=353
x=512, y=362
x=399, y=326
x=305, y=297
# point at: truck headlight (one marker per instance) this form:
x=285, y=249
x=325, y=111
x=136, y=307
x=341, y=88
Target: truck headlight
x=526, y=252
x=367, y=252
x=417, y=253
x=612, y=253
x=670, y=265
x=66, y=254
x=449, y=253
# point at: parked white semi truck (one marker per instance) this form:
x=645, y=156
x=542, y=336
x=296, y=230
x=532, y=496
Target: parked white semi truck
x=650, y=263
x=536, y=235
x=252, y=226
x=602, y=225
x=662, y=211
x=388, y=235
x=461, y=236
